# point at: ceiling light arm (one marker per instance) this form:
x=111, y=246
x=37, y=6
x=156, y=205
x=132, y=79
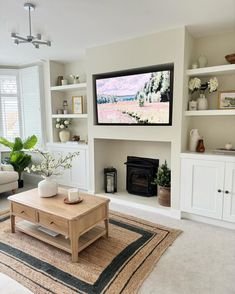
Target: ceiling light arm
x=14, y=36
x=30, y=29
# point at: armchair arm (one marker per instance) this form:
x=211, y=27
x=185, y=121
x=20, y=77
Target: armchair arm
x=6, y=167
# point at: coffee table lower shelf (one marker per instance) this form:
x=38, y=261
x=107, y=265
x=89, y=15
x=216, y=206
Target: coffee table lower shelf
x=61, y=241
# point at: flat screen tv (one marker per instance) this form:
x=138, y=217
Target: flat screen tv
x=135, y=97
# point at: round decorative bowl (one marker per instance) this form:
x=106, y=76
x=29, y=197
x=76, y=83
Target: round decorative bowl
x=230, y=58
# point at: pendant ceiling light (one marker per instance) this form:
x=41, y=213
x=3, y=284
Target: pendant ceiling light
x=36, y=41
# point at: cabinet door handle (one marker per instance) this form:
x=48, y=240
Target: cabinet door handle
x=226, y=192
x=51, y=223
x=219, y=191
x=22, y=211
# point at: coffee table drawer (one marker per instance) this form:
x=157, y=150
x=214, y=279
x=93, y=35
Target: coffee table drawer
x=23, y=211
x=52, y=222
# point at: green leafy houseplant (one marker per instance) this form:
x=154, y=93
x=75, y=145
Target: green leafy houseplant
x=18, y=158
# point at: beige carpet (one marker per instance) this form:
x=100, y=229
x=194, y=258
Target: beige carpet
x=118, y=264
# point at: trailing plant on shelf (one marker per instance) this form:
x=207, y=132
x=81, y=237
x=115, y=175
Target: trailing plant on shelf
x=18, y=158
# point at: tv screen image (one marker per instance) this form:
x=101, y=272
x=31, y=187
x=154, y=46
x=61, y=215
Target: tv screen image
x=134, y=98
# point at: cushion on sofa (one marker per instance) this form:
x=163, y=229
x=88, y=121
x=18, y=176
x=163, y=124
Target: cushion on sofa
x=8, y=177
x=6, y=167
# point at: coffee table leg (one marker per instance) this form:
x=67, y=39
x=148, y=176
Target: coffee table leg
x=106, y=222
x=13, y=223
x=74, y=248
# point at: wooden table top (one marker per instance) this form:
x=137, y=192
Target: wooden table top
x=56, y=206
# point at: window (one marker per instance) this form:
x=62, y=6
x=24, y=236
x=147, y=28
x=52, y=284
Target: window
x=9, y=105
x=20, y=103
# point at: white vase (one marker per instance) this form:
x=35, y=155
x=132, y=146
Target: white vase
x=76, y=81
x=194, y=136
x=47, y=187
x=202, y=102
x=202, y=61
x=64, y=135
x=192, y=105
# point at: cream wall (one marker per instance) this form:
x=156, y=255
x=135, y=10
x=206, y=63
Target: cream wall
x=160, y=48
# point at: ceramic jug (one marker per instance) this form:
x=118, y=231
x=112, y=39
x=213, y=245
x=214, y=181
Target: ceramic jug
x=194, y=137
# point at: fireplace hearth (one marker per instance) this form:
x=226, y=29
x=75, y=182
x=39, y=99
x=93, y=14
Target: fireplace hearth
x=140, y=174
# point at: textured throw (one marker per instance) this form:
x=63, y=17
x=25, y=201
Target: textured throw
x=115, y=265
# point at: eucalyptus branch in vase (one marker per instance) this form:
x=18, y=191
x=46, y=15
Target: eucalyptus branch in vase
x=49, y=165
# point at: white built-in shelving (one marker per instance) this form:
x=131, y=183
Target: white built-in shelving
x=227, y=69
x=71, y=115
x=215, y=70
x=211, y=112
x=71, y=87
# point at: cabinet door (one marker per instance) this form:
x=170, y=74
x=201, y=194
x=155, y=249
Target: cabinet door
x=64, y=178
x=79, y=171
x=229, y=193
x=202, y=187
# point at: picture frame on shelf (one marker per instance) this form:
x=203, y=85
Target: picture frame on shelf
x=77, y=104
x=227, y=99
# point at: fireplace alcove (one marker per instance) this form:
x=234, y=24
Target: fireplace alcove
x=109, y=152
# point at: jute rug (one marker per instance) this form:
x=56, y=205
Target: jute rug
x=115, y=265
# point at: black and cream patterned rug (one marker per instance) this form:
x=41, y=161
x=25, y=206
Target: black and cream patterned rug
x=118, y=264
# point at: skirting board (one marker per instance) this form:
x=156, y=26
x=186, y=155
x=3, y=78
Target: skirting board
x=207, y=220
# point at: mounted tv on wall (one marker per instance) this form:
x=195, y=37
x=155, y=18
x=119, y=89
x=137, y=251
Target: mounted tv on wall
x=140, y=96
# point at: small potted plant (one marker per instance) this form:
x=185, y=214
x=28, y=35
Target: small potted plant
x=75, y=78
x=63, y=125
x=195, y=84
x=163, y=180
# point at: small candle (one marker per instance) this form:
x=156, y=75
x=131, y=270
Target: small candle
x=73, y=195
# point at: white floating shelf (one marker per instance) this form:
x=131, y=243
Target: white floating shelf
x=210, y=112
x=84, y=115
x=216, y=70
x=80, y=86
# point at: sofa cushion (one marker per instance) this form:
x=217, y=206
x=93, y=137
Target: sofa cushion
x=8, y=177
x=6, y=167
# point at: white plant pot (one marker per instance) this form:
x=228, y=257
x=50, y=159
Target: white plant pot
x=47, y=188
x=202, y=102
x=64, y=135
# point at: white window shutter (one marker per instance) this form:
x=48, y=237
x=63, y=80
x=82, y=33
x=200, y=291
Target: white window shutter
x=10, y=122
x=31, y=102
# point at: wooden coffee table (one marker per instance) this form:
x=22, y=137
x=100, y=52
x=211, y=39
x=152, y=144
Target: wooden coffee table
x=78, y=225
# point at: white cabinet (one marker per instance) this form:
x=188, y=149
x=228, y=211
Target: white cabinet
x=77, y=176
x=208, y=186
x=229, y=192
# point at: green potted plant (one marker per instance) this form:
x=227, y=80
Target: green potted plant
x=18, y=158
x=163, y=180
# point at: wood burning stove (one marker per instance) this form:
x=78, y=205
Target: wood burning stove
x=140, y=174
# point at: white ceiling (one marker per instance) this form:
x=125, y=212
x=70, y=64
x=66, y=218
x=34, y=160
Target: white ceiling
x=73, y=25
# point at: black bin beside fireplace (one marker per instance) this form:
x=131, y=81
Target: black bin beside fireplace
x=140, y=174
